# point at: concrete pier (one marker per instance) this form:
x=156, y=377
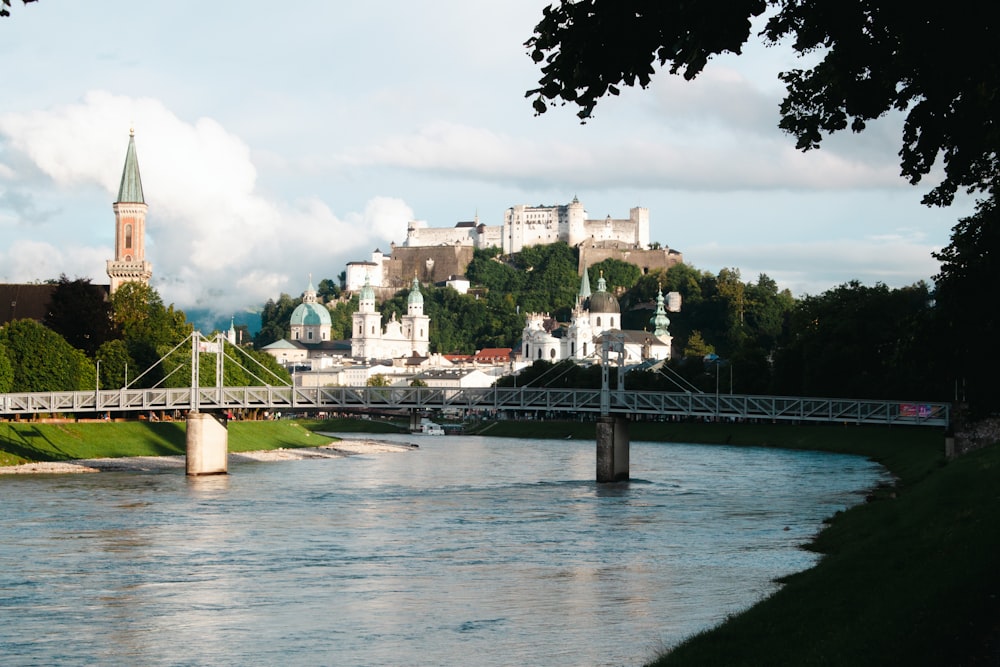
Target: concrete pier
x=207, y=445
x=612, y=449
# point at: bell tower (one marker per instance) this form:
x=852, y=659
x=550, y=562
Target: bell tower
x=129, y=264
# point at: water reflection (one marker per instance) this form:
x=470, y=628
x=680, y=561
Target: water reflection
x=505, y=551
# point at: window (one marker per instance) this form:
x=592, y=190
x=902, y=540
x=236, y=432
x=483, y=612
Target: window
x=128, y=236
x=598, y=320
x=309, y=335
x=552, y=353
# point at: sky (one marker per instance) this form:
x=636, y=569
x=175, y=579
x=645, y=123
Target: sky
x=279, y=141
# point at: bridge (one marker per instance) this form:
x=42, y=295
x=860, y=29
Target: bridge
x=495, y=400
x=207, y=444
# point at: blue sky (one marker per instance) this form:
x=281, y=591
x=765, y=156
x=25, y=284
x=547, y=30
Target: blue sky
x=282, y=140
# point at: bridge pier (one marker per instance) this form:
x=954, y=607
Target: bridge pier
x=414, y=420
x=612, y=449
x=207, y=445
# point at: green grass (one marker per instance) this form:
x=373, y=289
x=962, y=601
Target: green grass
x=22, y=442
x=905, y=580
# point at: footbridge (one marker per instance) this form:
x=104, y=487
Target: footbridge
x=612, y=408
x=492, y=400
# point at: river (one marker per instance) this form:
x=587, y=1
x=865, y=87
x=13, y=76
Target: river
x=466, y=551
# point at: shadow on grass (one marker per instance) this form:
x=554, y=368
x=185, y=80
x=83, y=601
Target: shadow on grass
x=62, y=442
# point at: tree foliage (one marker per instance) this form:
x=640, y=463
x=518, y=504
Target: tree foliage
x=41, y=360
x=966, y=288
x=6, y=371
x=274, y=320
x=935, y=62
x=4, y=4
x=148, y=328
x=80, y=313
x=861, y=342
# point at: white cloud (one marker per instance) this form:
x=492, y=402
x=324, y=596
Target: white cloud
x=213, y=239
x=814, y=267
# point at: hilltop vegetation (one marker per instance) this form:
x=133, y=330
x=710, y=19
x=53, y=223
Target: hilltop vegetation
x=852, y=341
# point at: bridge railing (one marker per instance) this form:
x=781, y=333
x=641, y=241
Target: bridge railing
x=492, y=399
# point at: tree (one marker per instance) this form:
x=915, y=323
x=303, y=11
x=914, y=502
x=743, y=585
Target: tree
x=616, y=272
x=274, y=320
x=149, y=328
x=42, y=361
x=936, y=62
x=6, y=371
x=377, y=380
x=966, y=286
x=6, y=3
x=80, y=313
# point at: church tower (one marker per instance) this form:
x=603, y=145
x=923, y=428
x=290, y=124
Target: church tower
x=129, y=264
x=416, y=325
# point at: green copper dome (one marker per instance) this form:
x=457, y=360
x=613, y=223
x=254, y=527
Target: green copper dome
x=367, y=291
x=415, y=297
x=310, y=314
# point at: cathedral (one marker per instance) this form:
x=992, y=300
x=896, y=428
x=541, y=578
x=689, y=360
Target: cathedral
x=405, y=337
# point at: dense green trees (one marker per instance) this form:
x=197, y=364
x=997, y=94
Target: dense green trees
x=80, y=313
x=967, y=288
x=42, y=360
x=861, y=342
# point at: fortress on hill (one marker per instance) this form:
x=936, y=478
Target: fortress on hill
x=439, y=254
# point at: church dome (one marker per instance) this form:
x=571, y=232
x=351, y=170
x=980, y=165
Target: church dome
x=415, y=298
x=367, y=291
x=602, y=302
x=310, y=314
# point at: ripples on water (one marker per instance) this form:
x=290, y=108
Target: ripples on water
x=477, y=551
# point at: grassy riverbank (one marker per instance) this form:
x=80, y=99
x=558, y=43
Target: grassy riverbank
x=22, y=442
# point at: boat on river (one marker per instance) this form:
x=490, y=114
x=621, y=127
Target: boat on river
x=427, y=427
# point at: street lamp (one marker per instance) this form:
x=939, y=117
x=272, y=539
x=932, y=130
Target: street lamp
x=713, y=358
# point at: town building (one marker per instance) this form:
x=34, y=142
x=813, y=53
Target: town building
x=594, y=317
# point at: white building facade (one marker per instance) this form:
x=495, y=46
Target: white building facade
x=407, y=336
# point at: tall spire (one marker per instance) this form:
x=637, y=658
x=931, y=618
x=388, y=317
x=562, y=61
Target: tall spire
x=129, y=264
x=130, y=190
x=584, y=293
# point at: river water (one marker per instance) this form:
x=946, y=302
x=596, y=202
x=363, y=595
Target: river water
x=467, y=551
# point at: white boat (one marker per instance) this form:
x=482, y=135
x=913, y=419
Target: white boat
x=427, y=427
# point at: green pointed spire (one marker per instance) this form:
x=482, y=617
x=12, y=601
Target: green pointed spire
x=659, y=320
x=131, y=187
x=584, y=293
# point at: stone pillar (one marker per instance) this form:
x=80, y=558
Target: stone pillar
x=414, y=420
x=207, y=445
x=612, y=449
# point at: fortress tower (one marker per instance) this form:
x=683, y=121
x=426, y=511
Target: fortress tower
x=129, y=264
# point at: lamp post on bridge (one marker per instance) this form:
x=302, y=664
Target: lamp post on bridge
x=713, y=358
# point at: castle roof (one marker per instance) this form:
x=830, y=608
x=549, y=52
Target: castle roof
x=131, y=187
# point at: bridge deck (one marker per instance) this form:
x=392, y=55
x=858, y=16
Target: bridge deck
x=493, y=399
